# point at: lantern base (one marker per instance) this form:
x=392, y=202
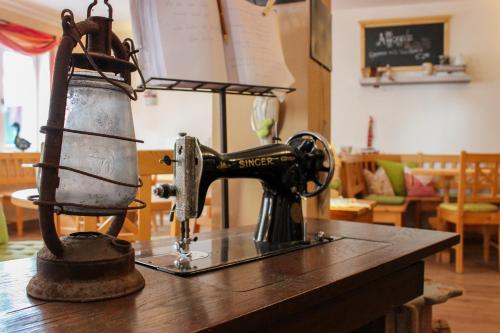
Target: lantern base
x=93, y=267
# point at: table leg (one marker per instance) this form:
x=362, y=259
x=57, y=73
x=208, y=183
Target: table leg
x=19, y=221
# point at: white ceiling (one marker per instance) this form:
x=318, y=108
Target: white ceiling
x=49, y=11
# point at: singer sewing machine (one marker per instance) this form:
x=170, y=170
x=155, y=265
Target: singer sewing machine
x=302, y=167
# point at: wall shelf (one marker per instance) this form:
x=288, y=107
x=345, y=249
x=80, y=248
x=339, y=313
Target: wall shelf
x=457, y=77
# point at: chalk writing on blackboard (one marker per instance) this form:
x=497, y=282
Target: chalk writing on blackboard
x=403, y=45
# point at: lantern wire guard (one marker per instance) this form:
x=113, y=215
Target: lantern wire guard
x=84, y=266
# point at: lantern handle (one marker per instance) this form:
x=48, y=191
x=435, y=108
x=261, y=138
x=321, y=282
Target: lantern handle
x=93, y=4
x=49, y=180
x=132, y=51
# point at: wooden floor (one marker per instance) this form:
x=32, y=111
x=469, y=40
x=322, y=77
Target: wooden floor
x=477, y=311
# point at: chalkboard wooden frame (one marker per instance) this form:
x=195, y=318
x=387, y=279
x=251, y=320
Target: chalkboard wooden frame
x=445, y=20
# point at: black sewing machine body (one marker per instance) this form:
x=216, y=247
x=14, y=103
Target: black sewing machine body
x=286, y=172
x=278, y=168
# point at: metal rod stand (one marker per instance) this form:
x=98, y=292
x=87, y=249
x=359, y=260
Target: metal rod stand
x=223, y=147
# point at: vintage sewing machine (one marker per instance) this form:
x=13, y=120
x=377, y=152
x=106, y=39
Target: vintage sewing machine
x=302, y=167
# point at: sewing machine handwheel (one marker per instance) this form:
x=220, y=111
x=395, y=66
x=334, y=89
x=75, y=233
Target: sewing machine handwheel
x=312, y=140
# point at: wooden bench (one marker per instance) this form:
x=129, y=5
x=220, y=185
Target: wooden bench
x=13, y=177
x=354, y=183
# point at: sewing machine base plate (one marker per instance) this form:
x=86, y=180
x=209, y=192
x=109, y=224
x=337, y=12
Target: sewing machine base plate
x=212, y=254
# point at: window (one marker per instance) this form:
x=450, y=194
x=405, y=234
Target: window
x=25, y=92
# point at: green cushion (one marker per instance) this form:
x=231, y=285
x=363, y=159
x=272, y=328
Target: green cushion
x=395, y=173
x=471, y=207
x=19, y=250
x=4, y=233
x=336, y=184
x=412, y=164
x=387, y=199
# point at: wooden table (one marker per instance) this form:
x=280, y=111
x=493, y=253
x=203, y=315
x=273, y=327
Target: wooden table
x=360, y=212
x=20, y=200
x=335, y=287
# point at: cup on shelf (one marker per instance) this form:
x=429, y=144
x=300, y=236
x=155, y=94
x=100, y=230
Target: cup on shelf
x=427, y=68
x=459, y=60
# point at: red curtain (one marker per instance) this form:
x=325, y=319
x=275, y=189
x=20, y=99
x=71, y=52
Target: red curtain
x=25, y=40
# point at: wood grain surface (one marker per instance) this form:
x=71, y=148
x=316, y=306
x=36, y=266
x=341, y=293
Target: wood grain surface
x=335, y=286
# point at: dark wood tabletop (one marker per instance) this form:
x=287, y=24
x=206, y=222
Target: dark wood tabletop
x=338, y=286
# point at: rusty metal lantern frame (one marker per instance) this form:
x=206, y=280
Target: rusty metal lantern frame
x=96, y=56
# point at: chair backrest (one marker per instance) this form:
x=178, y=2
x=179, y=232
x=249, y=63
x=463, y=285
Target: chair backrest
x=13, y=174
x=137, y=225
x=438, y=161
x=479, y=179
x=149, y=165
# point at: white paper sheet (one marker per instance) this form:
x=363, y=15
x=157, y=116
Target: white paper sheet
x=253, y=53
x=182, y=39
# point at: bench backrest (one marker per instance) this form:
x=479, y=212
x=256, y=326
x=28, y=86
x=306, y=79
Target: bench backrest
x=352, y=168
x=13, y=174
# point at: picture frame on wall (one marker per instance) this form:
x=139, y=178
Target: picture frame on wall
x=321, y=34
x=278, y=2
x=404, y=43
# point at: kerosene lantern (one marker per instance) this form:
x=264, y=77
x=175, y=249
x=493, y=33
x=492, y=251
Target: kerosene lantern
x=89, y=165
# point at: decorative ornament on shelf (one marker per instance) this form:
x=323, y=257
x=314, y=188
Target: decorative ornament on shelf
x=370, y=132
x=385, y=71
x=369, y=144
x=150, y=98
x=20, y=143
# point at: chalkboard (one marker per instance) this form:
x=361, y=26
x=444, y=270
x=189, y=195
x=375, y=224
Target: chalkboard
x=401, y=44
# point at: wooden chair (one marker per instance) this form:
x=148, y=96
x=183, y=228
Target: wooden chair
x=478, y=192
x=13, y=177
x=137, y=226
x=430, y=204
x=159, y=207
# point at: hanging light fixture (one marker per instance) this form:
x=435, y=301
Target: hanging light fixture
x=89, y=164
